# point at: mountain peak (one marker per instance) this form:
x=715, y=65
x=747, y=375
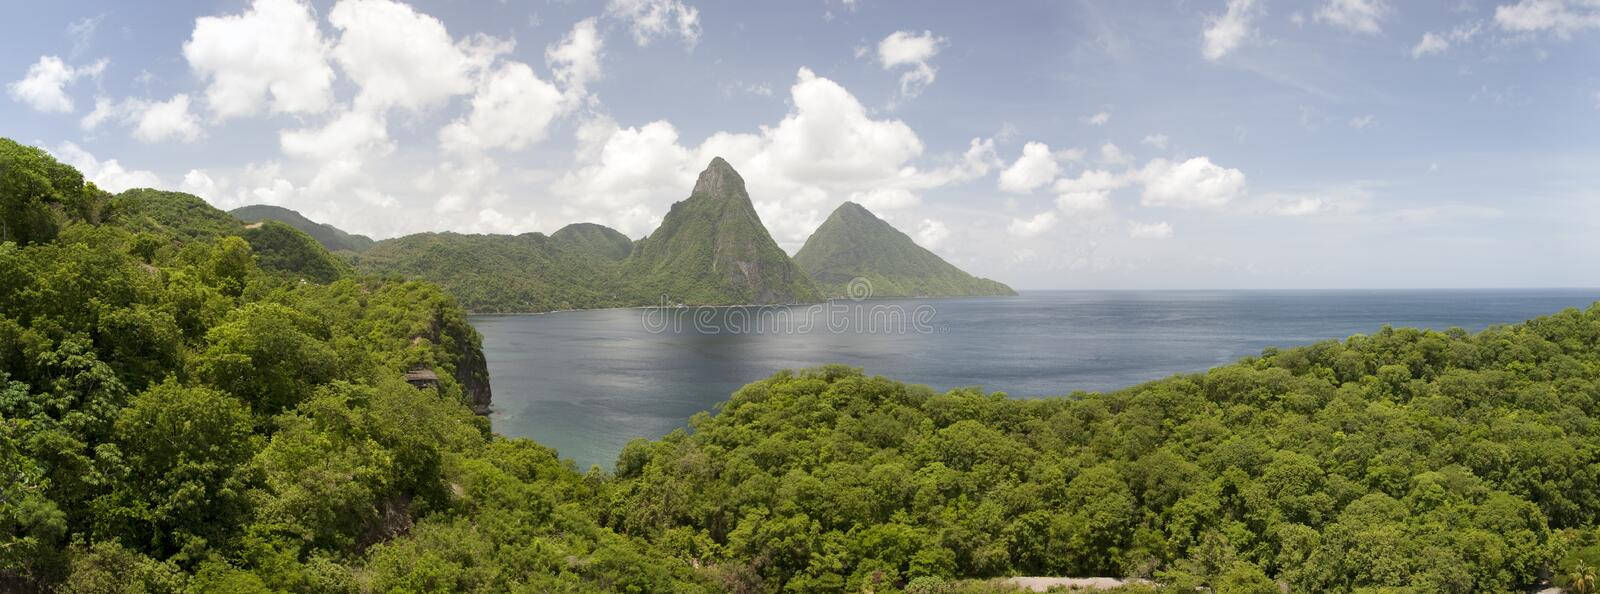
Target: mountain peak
x=719, y=178
x=855, y=245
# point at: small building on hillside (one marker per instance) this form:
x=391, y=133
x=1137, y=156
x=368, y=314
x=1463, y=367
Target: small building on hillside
x=422, y=378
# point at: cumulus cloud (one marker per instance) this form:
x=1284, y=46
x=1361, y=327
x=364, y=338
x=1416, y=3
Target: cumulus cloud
x=1034, y=225
x=512, y=109
x=915, y=52
x=576, y=59
x=162, y=120
x=1229, y=29
x=1195, y=183
x=1161, y=230
x=401, y=58
x=1562, y=17
x=273, y=54
x=152, y=121
x=1159, y=141
x=44, y=86
x=1098, y=119
x=649, y=19
x=109, y=175
x=1036, y=167
x=1360, y=16
x=931, y=233
x=1111, y=154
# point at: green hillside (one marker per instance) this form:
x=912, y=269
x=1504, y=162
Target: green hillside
x=594, y=240
x=176, y=418
x=329, y=236
x=504, y=273
x=712, y=249
x=854, y=244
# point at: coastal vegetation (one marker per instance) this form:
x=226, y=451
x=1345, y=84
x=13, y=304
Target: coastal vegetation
x=188, y=403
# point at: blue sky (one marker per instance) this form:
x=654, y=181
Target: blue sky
x=1191, y=144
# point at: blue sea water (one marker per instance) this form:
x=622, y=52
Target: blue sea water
x=586, y=382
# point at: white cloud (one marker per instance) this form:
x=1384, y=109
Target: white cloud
x=1093, y=180
x=905, y=48
x=1431, y=43
x=1098, y=119
x=576, y=59
x=1438, y=43
x=1036, y=167
x=1110, y=154
x=512, y=109
x=1082, y=202
x=649, y=19
x=1034, y=225
x=275, y=49
x=1360, y=16
x=1160, y=141
x=109, y=175
x=931, y=233
x=885, y=199
x=1195, y=183
x=627, y=175
x=1559, y=16
x=44, y=86
x=1160, y=230
x=349, y=133
x=1230, y=29
x=161, y=120
x=1363, y=121
x=401, y=58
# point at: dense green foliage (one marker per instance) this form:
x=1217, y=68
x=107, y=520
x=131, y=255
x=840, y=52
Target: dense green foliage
x=1409, y=461
x=854, y=244
x=332, y=238
x=598, y=241
x=280, y=247
x=36, y=192
x=175, y=417
x=502, y=273
x=713, y=249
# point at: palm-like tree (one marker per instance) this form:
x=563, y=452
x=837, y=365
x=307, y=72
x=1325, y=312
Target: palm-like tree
x=1582, y=579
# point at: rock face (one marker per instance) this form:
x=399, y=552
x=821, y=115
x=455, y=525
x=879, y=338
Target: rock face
x=856, y=254
x=713, y=249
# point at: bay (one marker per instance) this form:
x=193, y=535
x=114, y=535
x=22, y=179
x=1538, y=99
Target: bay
x=586, y=382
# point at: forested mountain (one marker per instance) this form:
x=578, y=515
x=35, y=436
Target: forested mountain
x=508, y=273
x=594, y=240
x=712, y=249
x=855, y=246
x=329, y=236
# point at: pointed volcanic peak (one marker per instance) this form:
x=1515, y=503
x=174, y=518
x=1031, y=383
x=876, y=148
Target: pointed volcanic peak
x=712, y=249
x=855, y=244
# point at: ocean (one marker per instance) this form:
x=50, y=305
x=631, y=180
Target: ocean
x=586, y=382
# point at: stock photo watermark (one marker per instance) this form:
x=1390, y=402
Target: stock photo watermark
x=853, y=314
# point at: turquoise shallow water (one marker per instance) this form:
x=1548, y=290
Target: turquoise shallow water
x=586, y=382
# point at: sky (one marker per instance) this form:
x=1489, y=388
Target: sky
x=1189, y=144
